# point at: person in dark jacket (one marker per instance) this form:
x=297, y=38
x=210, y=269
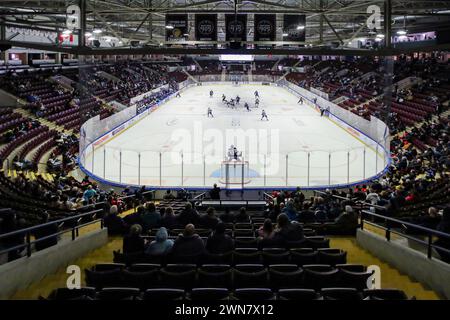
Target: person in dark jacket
x=188, y=215
x=45, y=231
x=242, y=216
x=209, y=220
x=218, y=242
x=113, y=222
x=135, y=217
x=169, y=219
x=133, y=242
x=215, y=192
x=188, y=244
x=287, y=230
x=227, y=216
x=150, y=218
x=345, y=224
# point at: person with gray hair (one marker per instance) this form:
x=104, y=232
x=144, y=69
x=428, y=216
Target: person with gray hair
x=113, y=222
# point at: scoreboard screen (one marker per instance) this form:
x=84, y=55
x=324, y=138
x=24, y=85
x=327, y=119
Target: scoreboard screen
x=236, y=57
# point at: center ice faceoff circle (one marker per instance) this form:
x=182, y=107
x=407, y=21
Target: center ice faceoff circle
x=184, y=142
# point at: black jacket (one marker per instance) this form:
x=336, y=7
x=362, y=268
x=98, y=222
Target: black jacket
x=133, y=244
x=291, y=232
x=188, y=246
x=219, y=243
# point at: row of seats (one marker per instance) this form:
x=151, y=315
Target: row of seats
x=266, y=256
x=187, y=276
x=213, y=294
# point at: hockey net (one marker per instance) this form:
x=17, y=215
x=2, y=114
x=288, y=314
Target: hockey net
x=234, y=173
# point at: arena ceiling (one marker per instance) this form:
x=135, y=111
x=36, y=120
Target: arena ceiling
x=144, y=20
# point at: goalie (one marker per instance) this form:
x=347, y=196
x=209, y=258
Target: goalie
x=234, y=154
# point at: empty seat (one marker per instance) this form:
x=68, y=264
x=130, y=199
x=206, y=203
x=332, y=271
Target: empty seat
x=285, y=276
x=317, y=242
x=141, y=279
x=332, y=256
x=164, y=294
x=254, y=294
x=209, y=294
x=224, y=258
x=101, y=279
x=275, y=256
x=246, y=256
x=144, y=267
x=384, y=294
x=303, y=256
x=245, y=242
x=178, y=276
x=215, y=276
x=320, y=276
x=341, y=294
x=244, y=233
x=108, y=266
x=354, y=279
x=72, y=294
x=118, y=294
x=250, y=276
x=298, y=294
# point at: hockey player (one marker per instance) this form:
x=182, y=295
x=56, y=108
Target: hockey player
x=211, y=93
x=256, y=94
x=224, y=98
x=210, y=112
x=238, y=99
x=264, y=115
x=178, y=94
x=257, y=103
x=246, y=106
x=300, y=100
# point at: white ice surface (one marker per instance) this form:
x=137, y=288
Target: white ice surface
x=181, y=126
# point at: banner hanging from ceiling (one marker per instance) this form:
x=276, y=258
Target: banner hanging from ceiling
x=265, y=27
x=176, y=27
x=206, y=27
x=294, y=27
x=236, y=27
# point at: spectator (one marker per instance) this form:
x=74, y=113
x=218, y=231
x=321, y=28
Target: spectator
x=168, y=195
x=169, y=220
x=287, y=230
x=89, y=194
x=215, y=192
x=161, y=245
x=242, y=216
x=209, y=220
x=135, y=217
x=227, y=216
x=266, y=230
x=188, y=215
x=150, y=218
x=133, y=242
x=113, y=222
x=188, y=244
x=290, y=211
x=218, y=242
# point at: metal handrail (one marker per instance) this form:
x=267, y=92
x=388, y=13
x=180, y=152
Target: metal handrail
x=134, y=195
x=33, y=228
x=429, y=233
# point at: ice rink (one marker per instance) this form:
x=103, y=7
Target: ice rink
x=178, y=145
